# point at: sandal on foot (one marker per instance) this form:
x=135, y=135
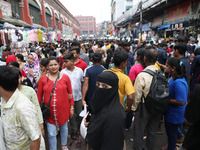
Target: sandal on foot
x=64, y=148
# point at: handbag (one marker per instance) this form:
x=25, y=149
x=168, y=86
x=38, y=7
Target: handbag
x=45, y=108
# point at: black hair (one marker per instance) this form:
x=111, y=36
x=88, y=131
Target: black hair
x=127, y=44
x=163, y=44
x=96, y=57
x=14, y=63
x=40, y=43
x=7, y=48
x=20, y=56
x=69, y=56
x=182, y=39
x=91, y=51
x=9, y=78
x=90, y=55
x=151, y=55
x=112, y=47
x=39, y=56
x=53, y=58
x=197, y=52
x=44, y=62
x=119, y=57
x=121, y=44
x=181, y=47
x=76, y=49
x=52, y=53
x=141, y=53
x=109, y=57
x=75, y=43
x=180, y=67
x=63, y=50
x=100, y=43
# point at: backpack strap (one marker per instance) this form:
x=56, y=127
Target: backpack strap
x=149, y=72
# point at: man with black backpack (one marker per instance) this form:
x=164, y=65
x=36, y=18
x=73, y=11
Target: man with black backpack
x=151, y=100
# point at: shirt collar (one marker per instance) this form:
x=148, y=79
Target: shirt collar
x=116, y=70
x=151, y=67
x=11, y=101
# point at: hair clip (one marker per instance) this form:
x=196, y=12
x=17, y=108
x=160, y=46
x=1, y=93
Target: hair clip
x=181, y=63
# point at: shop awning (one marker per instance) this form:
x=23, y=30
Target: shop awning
x=15, y=22
x=164, y=26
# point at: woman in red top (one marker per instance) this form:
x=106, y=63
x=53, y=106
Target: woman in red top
x=61, y=105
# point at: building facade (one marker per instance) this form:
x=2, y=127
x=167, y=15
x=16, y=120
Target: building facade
x=39, y=13
x=119, y=7
x=87, y=25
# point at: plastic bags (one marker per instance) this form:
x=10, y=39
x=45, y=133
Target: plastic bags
x=83, y=128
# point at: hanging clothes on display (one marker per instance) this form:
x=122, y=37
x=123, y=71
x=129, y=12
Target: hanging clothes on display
x=24, y=36
x=58, y=35
x=39, y=32
x=14, y=37
x=33, y=36
x=49, y=37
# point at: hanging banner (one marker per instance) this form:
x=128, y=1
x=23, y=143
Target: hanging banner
x=67, y=31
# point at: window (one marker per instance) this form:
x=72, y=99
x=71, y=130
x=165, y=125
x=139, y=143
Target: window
x=129, y=0
x=85, y=19
x=85, y=32
x=128, y=7
x=82, y=19
x=15, y=8
x=90, y=19
x=90, y=26
x=79, y=19
x=91, y=31
x=57, y=21
x=48, y=17
x=35, y=14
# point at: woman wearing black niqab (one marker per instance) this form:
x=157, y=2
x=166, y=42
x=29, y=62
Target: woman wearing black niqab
x=106, y=127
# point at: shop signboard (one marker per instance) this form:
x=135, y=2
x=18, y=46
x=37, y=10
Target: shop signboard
x=6, y=9
x=145, y=27
x=178, y=13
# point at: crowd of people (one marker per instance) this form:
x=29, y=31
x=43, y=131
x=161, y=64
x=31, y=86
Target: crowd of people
x=49, y=87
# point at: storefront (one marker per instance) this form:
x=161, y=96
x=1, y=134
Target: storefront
x=182, y=18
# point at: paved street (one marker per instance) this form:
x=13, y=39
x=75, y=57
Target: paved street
x=80, y=144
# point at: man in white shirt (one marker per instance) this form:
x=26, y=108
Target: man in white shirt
x=76, y=76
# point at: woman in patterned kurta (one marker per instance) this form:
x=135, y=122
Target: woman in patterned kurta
x=61, y=105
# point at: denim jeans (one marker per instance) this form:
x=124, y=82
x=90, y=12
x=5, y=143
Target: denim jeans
x=172, y=134
x=180, y=134
x=52, y=133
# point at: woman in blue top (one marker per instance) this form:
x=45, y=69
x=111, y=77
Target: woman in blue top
x=174, y=116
